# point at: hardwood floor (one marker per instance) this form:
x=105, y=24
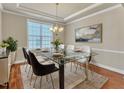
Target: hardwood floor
x=15, y=77
x=116, y=80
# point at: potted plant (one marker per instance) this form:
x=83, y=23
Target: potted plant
x=12, y=44
x=11, y=49
x=56, y=43
x=4, y=46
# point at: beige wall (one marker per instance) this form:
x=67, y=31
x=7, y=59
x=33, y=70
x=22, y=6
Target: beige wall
x=113, y=36
x=15, y=26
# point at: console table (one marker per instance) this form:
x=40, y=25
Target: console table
x=5, y=66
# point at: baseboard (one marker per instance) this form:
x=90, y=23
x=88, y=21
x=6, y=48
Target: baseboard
x=109, y=68
x=19, y=61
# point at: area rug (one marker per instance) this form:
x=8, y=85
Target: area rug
x=73, y=79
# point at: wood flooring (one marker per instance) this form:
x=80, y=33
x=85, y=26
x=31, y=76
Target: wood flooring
x=116, y=80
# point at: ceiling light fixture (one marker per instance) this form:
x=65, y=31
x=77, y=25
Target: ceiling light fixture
x=56, y=28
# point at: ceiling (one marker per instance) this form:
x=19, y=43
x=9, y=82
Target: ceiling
x=64, y=10
x=67, y=12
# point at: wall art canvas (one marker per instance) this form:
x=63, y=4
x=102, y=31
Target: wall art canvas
x=91, y=33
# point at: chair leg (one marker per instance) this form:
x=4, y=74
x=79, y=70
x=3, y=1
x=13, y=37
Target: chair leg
x=86, y=70
x=52, y=80
x=47, y=78
x=41, y=82
x=76, y=67
x=26, y=66
x=71, y=67
x=91, y=69
x=28, y=71
x=31, y=78
x=35, y=81
x=80, y=66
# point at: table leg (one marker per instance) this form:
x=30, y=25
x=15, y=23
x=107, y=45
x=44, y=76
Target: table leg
x=86, y=70
x=61, y=75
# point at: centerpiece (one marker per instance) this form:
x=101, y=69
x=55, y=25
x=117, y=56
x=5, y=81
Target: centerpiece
x=56, y=44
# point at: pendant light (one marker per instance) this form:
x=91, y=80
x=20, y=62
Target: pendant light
x=56, y=28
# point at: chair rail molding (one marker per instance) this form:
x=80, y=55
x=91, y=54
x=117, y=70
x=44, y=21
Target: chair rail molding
x=108, y=50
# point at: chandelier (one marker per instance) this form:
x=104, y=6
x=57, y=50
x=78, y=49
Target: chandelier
x=56, y=27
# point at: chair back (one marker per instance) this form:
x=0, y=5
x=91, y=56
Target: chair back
x=26, y=55
x=86, y=49
x=61, y=46
x=24, y=52
x=69, y=49
x=34, y=62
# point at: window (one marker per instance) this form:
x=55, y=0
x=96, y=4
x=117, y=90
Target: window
x=39, y=35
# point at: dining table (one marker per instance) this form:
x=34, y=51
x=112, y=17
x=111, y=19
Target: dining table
x=61, y=58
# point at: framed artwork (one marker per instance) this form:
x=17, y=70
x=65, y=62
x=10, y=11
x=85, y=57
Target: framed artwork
x=91, y=33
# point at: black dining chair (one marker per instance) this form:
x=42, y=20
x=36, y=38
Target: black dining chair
x=25, y=56
x=23, y=49
x=26, y=60
x=41, y=69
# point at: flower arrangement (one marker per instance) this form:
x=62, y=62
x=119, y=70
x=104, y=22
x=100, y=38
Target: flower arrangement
x=56, y=43
x=4, y=45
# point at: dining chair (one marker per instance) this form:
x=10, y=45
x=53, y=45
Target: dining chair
x=69, y=50
x=62, y=46
x=41, y=69
x=87, y=59
x=26, y=59
x=39, y=56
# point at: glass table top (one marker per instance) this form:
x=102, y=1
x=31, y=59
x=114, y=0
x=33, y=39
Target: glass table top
x=66, y=56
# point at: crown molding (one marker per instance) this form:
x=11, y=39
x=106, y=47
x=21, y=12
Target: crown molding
x=96, y=13
x=21, y=11
x=32, y=17
x=38, y=13
x=83, y=10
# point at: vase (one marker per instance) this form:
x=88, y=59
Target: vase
x=3, y=51
x=7, y=52
x=57, y=49
x=12, y=57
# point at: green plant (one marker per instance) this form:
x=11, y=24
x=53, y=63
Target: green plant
x=12, y=44
x=56, y=43
x=4, y=45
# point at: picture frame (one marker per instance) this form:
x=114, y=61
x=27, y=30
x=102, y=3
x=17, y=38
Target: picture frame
x=91, y=34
